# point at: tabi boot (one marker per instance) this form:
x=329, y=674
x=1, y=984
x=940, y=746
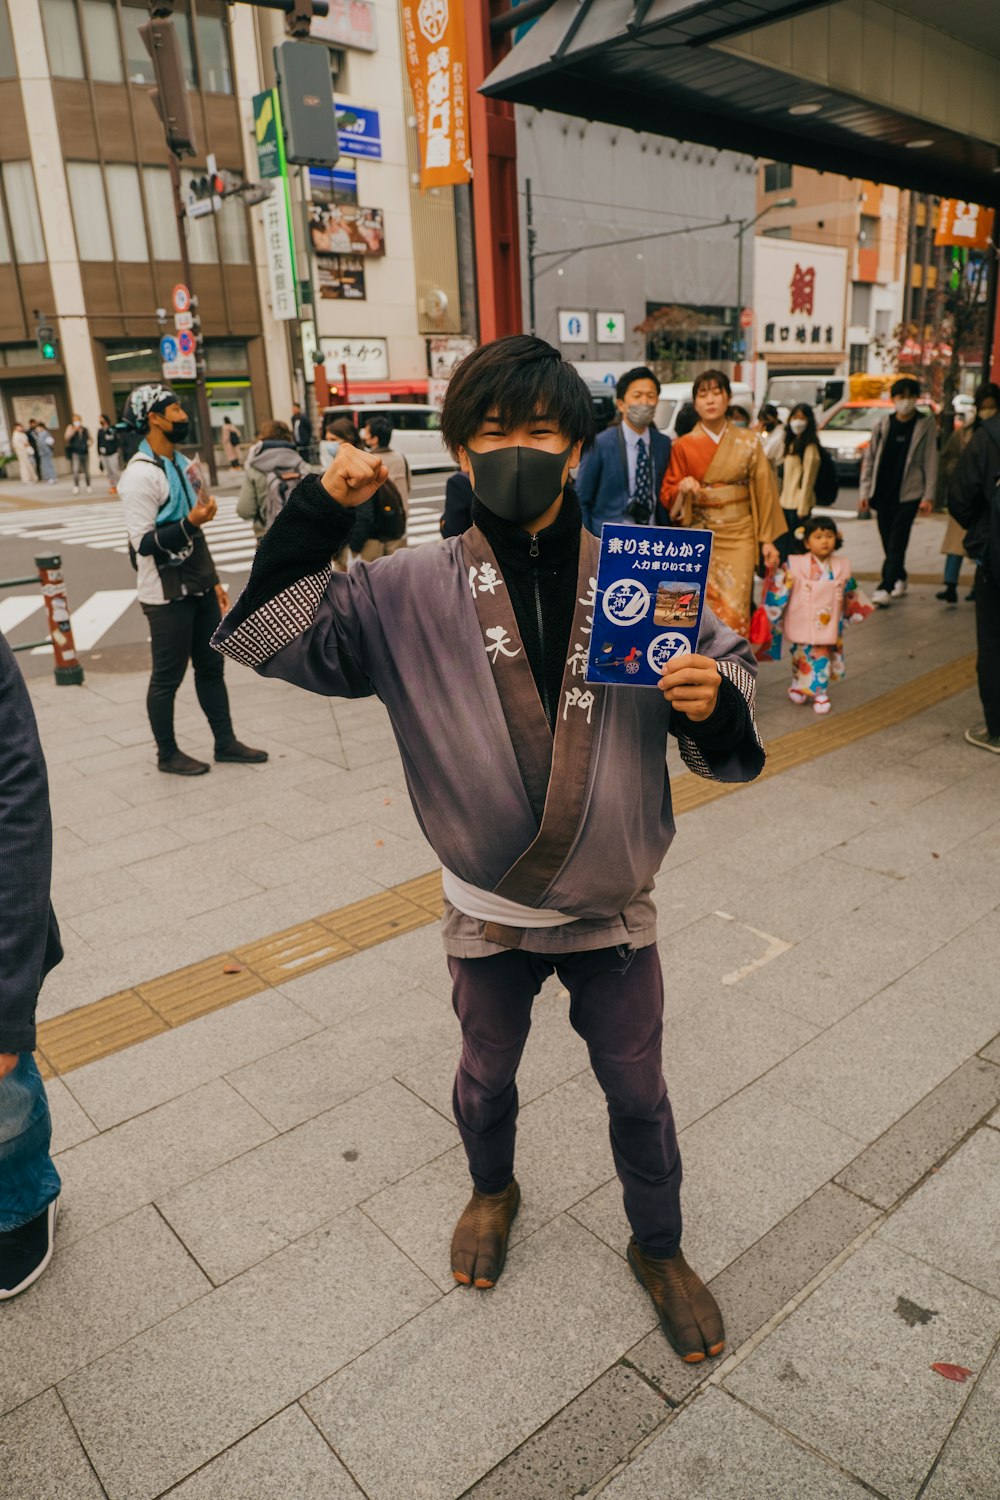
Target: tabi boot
x=479, y=1244
x=240, y=754
x=179, y=764
x=689, y=1314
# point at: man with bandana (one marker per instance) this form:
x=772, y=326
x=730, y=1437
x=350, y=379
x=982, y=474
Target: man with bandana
x=178, y=587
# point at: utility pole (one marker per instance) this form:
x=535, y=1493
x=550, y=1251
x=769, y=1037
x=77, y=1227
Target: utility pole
x=532, y=237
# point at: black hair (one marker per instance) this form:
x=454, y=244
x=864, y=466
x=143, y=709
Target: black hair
x=988, y=391
x=821, y=523
x=768, y=411
x=906, y=385
x=798, y=442
x=517, y=377
x=641, y=372
x=687, y=420
x=380, y=429
x=739, y=411
x=712, y=377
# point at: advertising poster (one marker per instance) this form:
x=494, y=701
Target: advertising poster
x=342, y=229
x=434, y=41
x=651, y=584
x=341, y=278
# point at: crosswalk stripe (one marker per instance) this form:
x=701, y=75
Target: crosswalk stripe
x=95, y=617
x=15, y=611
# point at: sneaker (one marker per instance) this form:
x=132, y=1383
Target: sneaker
x=970, y=597
x=981, y=736
x=797, y=695
x=821, y=704
x=26, y=1251
x=881, y=598
x=899, y=588
x=948, y=595
x=76, y=489
x=180, y=764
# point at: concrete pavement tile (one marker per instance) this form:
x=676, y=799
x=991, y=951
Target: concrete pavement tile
x=382, y=856
x=324, y=865
x=760, y=1282
x=128, y=1083
x=910, y=1147
x=115, y=852
x=563, y=1154
x=746, y=1166
x=350, y=985
x=151, y=909
x=72, y=747
x=850, y=1371
x=286, y=1459
x=943, y=902
x=713, y=1050
x=697, y=957
x=904, y=842
x=241, y=850
x=295, y=1082
x=991, y=1051
x=270, y=911
x=70, y=1124
x=951, y=1220
x=425, y=1413
x=889, y=787
x=247, y=1209
x=918, y=1043
x=969, y=1465
x=41, y=1457
x=74, y=895
x=214, y=1372
x=95, y=1295
x=806, y=899
x=137, y=1162
x=717, y=1450
x=117, y=758
x=598, y=1429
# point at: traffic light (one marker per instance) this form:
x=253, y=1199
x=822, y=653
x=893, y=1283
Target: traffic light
x=205, y=193
x=48, y=344
x=305, y=94
x=170, y=96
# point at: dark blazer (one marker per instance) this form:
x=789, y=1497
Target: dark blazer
x=302, y=431
x=457, y=517
x=973, y=497
x=29, y=933
x=602, y=479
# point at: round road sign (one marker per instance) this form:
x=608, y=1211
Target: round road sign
x=185, y=341
x=181, y=298
x=746, y=318
x=168, y=349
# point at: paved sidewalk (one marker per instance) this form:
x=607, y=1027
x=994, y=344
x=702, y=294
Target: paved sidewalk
x=251, y=1295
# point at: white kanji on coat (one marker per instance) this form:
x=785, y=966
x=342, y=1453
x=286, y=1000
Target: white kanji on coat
x=497, y=634
x=577, y=661
x=581, y=698
x=486, y=581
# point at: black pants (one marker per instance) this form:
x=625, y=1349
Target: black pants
x=895, y=522
x=988, y=644
x=181, y=632
x=616, y=1005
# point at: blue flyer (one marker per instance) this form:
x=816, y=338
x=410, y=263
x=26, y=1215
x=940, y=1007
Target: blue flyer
x=651, y=583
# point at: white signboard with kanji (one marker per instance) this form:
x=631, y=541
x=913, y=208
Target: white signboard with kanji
x=366, y=359
x=280, y=267
x=798, y=295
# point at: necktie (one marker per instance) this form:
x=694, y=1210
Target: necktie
x=642, y=499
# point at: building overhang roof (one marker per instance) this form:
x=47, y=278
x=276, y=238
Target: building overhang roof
x=782, y=79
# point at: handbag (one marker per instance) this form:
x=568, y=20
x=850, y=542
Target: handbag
x=761, y=635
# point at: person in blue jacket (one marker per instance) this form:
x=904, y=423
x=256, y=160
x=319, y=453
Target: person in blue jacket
x=620, y=477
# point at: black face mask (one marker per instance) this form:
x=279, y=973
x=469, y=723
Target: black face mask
x=179, y=430
x=518, y=484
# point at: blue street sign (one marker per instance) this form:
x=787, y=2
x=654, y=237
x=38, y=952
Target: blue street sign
x=168, y=349
x=360, y=132
x=575, y=326
x=338, y=179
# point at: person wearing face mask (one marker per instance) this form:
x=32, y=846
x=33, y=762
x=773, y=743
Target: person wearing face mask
x=898, y=478
x=179, y=590
x=801, y=466
x=987, y=399
x=545, y=799
x=620, y=476
x=772, y=435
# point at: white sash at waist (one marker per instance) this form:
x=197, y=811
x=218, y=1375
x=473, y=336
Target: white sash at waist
x=484, y=906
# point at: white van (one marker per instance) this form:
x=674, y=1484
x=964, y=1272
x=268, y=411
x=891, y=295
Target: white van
x=416, y=430
x=673, y=397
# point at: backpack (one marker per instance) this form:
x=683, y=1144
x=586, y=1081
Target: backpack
x=389, y=523
x=827, y=486
x=281, y=485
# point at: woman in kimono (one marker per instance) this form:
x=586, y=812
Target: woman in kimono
x=719, y=479
x=545, y=798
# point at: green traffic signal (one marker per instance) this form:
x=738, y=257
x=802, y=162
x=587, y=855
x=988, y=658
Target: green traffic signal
x=48, y=350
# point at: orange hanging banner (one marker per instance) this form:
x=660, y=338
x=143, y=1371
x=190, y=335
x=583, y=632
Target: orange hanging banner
x=434, y=37
x=965, y=225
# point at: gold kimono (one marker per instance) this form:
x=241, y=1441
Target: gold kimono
x=737, y=502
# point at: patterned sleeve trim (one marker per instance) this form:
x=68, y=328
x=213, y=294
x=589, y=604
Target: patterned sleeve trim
x=745, y=684
x=277, y=623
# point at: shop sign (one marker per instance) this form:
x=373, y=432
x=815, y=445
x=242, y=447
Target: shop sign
x=444, y=354
x=360, y=132
x=434, y=41
x=265, y=129
x=366, y=359
x=611, y=328
x=341, y=278
x=343, y=229
x=799, y=292
x=965, y=225
x=349, y=23
x=277, y=248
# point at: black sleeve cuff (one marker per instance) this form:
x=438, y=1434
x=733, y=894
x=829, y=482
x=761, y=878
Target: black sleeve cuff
x=174, y=537
x=724, y=728
x=300, y=542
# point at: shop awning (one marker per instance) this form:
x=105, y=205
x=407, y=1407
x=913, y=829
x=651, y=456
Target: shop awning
x=382, y=390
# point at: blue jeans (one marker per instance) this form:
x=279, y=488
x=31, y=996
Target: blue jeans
x=28, y=1178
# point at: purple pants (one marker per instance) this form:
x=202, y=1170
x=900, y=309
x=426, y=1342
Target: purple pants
x=616, y=1005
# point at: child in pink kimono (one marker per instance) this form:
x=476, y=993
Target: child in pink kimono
x=808, y=600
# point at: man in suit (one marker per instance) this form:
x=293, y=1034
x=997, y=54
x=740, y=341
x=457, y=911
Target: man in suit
x=29, y=948
x=302, y=430
x=620, y=478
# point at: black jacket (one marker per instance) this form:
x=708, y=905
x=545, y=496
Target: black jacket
x=458, y=496
x=973, y=498
x=29, y=933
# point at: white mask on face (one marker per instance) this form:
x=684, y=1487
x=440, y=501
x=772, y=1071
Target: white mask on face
x=904, y=405
x=798, y=425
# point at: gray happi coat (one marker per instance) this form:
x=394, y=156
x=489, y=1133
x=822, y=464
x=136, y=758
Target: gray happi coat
x=579, y=821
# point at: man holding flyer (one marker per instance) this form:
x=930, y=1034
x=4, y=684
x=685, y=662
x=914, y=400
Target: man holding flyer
x=542, y=790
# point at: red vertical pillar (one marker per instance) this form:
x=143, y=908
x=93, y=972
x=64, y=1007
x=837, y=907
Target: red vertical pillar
x=494, y=183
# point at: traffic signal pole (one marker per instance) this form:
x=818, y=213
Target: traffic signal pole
x=206, y=447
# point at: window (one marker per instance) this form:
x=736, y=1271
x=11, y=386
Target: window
x=4, y=242
x=861, y=304
x=138, y=63
x=201, y=241
x=161, y=214
x=8, y=61
x=100, y=32
x=858, y=356
x=234, y=240
x=213, y=49
x=90, y=210
x=126, y=212
x=777, y=176
x=868, y=232
x=62, y=34
x=22, y=212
